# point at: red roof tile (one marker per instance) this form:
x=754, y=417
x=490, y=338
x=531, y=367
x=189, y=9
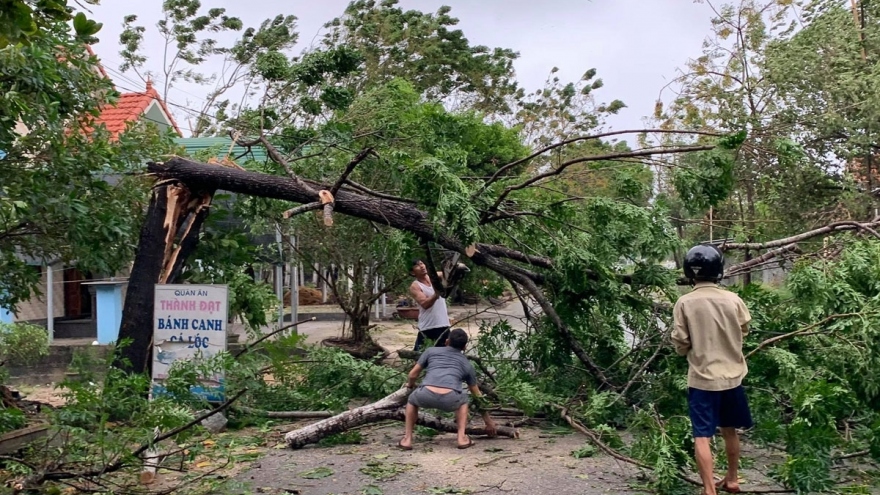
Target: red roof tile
x=129, y=108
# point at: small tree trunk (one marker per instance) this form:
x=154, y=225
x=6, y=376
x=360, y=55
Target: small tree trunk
x=360, y=322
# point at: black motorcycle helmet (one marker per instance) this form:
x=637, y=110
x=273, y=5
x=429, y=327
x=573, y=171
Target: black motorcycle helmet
x=704, y=263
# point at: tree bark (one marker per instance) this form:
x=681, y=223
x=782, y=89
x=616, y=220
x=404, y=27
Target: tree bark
x=137, y=311
x=388, y=408
x=360, y=323
x=173, y=208
x=832, y=228
x=285, y=414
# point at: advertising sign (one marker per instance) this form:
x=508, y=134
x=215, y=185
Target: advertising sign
x=189, y=321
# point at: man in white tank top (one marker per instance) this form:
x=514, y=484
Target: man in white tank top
x=433, y=316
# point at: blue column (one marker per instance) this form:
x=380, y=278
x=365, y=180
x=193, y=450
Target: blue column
x=5, y=315
x=108, y=299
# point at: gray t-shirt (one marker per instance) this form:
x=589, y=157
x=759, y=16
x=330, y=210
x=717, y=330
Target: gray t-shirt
x=447, y=367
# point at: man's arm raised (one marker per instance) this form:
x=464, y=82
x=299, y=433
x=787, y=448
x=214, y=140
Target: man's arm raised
x=421, y=299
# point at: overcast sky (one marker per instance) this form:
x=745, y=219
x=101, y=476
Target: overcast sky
x=636, y=45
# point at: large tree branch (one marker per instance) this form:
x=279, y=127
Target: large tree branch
x=505, y=168
x=506, y=252
x=276, y=157
x=401, y=216
x=594, y=158
x=382, y=410
x=349, y=169
x=828, y=229
x=769, y=255
x=395, y=214
x=377, y=194
x=802, y=331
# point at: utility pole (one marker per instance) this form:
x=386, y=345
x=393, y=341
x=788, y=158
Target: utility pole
x=279, y=276
x=294, y=283
x=711, y=225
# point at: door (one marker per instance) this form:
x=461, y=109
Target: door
x=77, y=300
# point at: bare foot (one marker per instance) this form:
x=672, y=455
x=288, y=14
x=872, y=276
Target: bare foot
x=725, y=485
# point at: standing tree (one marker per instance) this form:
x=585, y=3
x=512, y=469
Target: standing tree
x=362, y=257
x=186, y=32
x=66, y=190
x=826, y=78
x=735, y=86
x=424, y=49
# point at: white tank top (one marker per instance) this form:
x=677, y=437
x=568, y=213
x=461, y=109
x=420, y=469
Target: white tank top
x=435, y=316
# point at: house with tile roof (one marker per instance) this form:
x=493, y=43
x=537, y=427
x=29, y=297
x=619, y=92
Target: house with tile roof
x=132, y=107
x=67, y=306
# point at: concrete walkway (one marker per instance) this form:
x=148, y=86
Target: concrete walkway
x=394, y=334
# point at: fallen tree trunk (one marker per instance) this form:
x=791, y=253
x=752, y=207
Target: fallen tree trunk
x=396, y=214
x=285, y=414
x=399, y=213
x=388, y=408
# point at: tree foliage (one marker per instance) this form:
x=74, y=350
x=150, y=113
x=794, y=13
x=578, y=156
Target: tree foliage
x=424, y=49
x=187, y=31
x=427, y=142
x=66, y=193
x=763, y=73
x=825, y=76
x=25, y=21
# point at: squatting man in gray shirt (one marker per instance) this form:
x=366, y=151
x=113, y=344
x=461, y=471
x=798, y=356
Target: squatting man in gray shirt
x=446, y=369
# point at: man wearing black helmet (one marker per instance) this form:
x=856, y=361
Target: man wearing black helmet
x=709, y=326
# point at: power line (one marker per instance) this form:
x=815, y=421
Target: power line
x=158, y=78
x=167, y=102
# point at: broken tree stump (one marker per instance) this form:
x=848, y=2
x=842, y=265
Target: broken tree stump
x=389, y=408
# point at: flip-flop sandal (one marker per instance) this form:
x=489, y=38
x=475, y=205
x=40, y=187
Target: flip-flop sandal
x=722, y=485
x=467, y=445
x=401, y=446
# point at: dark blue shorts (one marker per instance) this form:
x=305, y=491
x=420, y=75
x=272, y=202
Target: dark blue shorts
x=710, y=409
